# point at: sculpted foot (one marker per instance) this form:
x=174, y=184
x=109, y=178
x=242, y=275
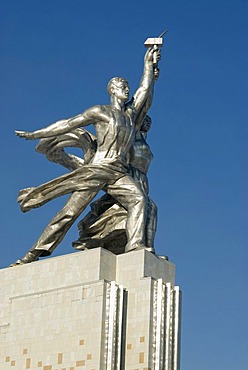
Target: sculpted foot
x=86, y=243
x=138, y=246
x=29, y=257
x=79, y=246
x=149, y=249
x=166, y=258
x=17, y=263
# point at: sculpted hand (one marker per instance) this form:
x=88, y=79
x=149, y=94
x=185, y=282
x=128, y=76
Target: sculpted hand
x=149, y=55
x=156, y=73
x=152, y=54
x=25, y=134
x=158, y=54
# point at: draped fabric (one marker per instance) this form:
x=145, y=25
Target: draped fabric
x=104, y=172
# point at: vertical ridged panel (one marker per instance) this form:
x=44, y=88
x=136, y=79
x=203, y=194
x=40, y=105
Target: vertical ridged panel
x=159, y=305
x=120, y=295
x=176, y=328
x=113, y=326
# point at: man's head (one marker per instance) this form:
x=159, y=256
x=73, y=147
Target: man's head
x=146, y=124
x=119, y=88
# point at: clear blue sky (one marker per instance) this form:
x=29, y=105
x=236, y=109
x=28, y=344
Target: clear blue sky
x=56, y=59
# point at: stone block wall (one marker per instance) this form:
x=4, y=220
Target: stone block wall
x=90, y=310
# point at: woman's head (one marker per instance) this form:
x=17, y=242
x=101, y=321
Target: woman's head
x=146, y=124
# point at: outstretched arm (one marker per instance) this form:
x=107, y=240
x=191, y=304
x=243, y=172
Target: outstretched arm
x=90, y=116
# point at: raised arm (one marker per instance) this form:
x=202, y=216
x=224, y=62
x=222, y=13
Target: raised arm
x=89, y=116
x=144, y=109
x=145, y=89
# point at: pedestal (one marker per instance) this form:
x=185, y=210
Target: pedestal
x=90, y=310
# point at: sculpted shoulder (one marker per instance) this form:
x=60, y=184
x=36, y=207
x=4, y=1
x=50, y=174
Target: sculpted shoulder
x=130, y=108
x=97, y=113
x=105, y=109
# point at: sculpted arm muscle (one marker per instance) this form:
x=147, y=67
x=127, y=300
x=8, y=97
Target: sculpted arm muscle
x=144, y=109
x=145, y=89
x=90, y=116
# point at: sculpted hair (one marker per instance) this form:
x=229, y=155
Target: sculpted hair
x=113, y=82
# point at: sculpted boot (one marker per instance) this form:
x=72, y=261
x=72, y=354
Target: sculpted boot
x=138, y=246
x=29, y=257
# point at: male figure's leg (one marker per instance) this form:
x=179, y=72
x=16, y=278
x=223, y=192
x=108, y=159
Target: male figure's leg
x=128, y=193
x=55, y=231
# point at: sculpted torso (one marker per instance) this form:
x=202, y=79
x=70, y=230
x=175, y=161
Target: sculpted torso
x=115, y=134
x=140, y=154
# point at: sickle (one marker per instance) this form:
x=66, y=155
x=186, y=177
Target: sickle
x=162, y=34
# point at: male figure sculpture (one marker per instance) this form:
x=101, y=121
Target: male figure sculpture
x=115, y=131
x=105, y=224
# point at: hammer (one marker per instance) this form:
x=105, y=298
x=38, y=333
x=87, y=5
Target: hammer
x=155, y=42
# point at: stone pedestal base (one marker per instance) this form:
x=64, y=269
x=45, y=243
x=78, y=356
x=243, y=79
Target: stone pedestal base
x=90, y=310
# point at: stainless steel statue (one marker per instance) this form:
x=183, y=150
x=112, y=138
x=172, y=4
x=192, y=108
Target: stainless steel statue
x=105, y=225
x=105, y=164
